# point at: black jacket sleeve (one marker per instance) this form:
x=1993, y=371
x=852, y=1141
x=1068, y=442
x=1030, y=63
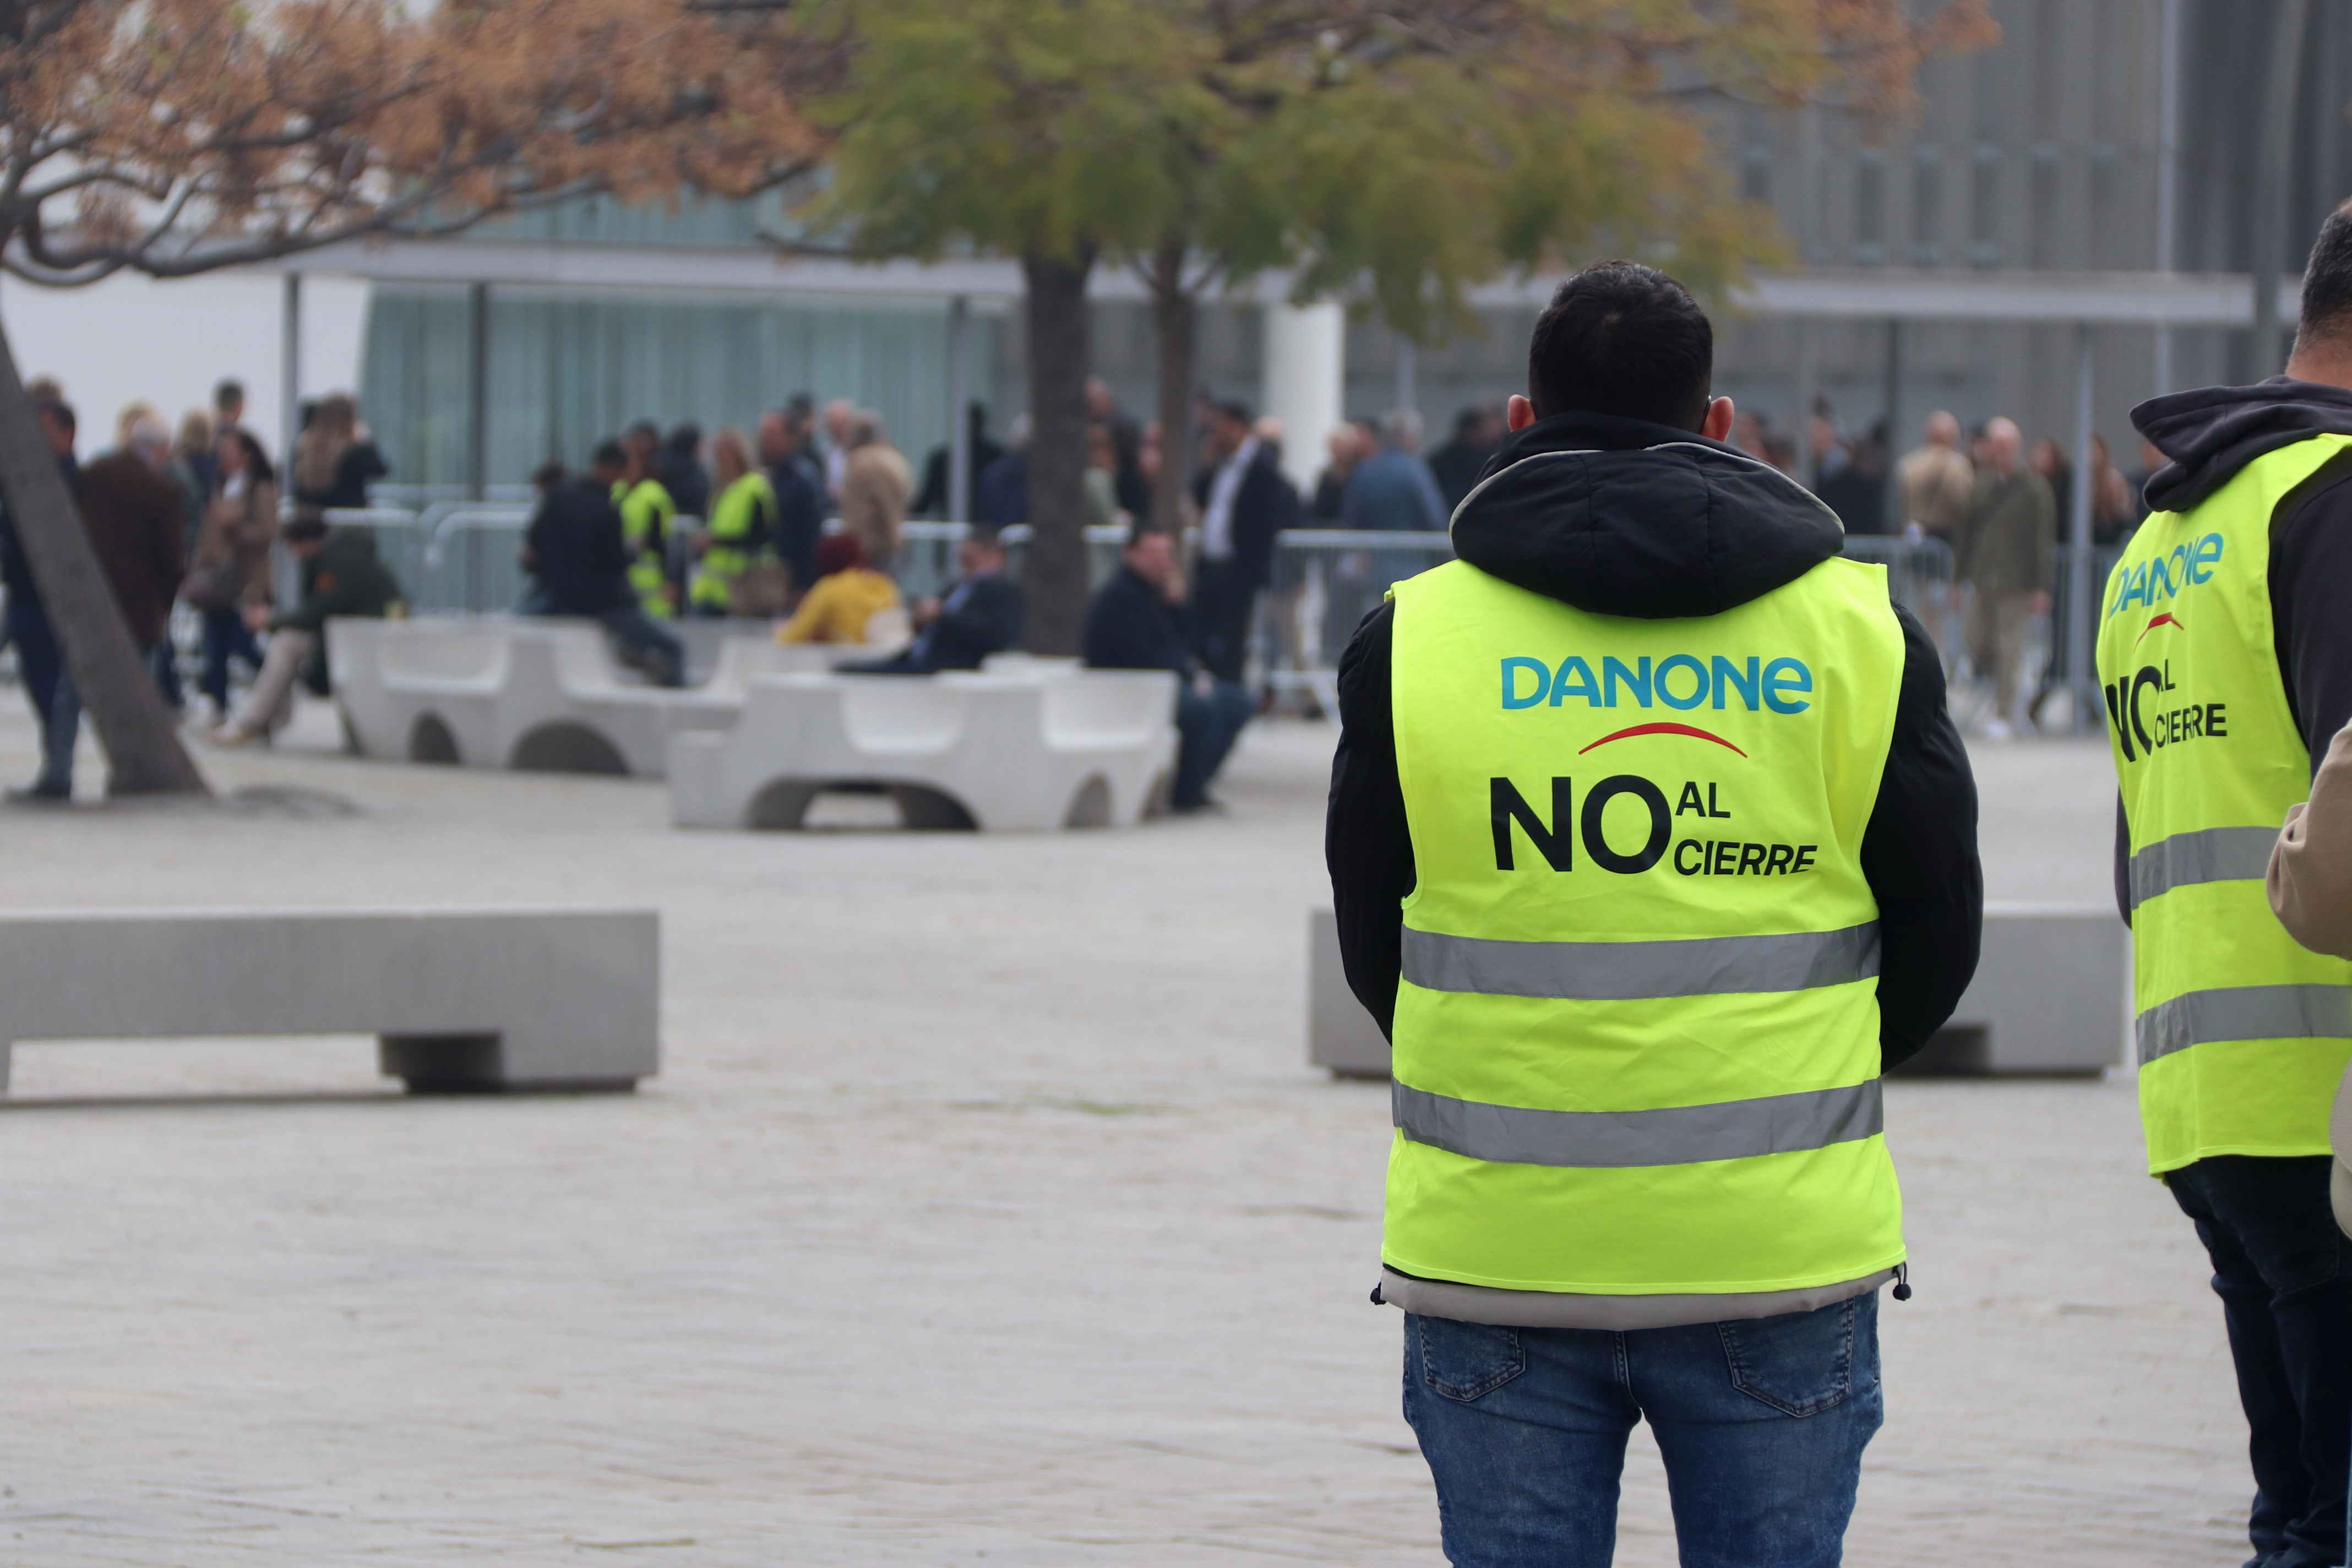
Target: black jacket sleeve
x=1919, y=855
x=2311, y=563
x=988, y=621
x=1918, y=852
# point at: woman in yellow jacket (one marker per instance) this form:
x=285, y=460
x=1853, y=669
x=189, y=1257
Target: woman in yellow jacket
x=841, y=604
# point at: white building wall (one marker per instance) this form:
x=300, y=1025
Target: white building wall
x=129, y=338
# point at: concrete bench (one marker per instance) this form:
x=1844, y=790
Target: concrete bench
x=461, y=999
x=2049, y=997
x=534, y=694
x=1034, y=750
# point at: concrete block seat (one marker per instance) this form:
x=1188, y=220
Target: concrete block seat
x=461, y=999
x=1074, y=749
x=2049, y=999
x=535, y=694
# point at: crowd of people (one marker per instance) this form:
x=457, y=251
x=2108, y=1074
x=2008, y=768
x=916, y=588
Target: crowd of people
x=192, y=517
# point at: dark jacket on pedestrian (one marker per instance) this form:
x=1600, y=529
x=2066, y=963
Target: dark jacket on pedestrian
x=2009, y=544
x=1264, y=506
x=1455, y=466
x=344, y=578
x=681, y=473
x=577, y=551
x=1130, y=625
x=133, y=516
x=1625, y=517
x=2211, y=433
x=1002, y=496
x=800, y=519
x=931, y=501
x=978, y=617
x=358, y=465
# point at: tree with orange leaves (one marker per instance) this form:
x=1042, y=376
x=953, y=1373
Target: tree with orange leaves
x=173, y=137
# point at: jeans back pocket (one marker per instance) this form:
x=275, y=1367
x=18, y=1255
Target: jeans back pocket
x=1805, y=1362
x=1467, y=1361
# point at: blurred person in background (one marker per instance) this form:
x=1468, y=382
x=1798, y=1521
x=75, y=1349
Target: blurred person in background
x=876, y=482
x=680, y=467
x=647, y=513
x=128, y=417
x=39, y=661
x=2046, y=458
x=1456, y=464
x=340, y=578
x=132, y=511
x=334, y=460
x=228, y=571
x=1132, y=491
x=1855, y=488
x=1135, y=622
x=1934, y=479
x=932, y=500
x=1341, y=449
x=2009, y=561
x=1244, y=503
x=737, y=571
x=195, y=465
x=2113, y=516
x=839, y=414
x=1391, y=489
x=981, y=613
x=579, y=563
x=841, y=604
x=800, y=504
x=1002, y=498
x=228, y=405
x=1101, y=478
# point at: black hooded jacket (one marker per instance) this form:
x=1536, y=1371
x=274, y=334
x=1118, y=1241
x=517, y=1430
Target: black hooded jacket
x=2211, y=433
x=1619, y=517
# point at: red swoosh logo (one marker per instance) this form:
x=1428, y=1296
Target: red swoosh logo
x=2164, y=619
x=1695, y=732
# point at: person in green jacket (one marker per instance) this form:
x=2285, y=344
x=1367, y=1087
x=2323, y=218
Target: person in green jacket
x=342, y=576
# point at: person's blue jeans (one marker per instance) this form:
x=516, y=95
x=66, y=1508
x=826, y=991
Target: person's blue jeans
x=651, y=646
x=2284, y=1273
x=1206, y=727
x=1761, y=1423
x=227, y=637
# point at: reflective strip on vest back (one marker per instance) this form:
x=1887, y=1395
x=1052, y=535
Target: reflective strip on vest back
x=1637, y=1032
x=2240, y=1033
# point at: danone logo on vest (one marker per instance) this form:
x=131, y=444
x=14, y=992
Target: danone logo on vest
x=1682, y=681
x=2164, y=577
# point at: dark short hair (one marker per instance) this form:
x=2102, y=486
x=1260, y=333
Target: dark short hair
x=1144, y=529
x=686, y=437
x=226, y=390
x=57, y=410
x=1624, y=339
x=548, y=475
x=1235, y=410
x=305, y=527
x=986, y=536
x=647, y=428
x=609, y=455
x=2328, y=281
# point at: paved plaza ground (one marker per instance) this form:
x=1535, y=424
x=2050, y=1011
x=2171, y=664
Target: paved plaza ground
x=985, y=1210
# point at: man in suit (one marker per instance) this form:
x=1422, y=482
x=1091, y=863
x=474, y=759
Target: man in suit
x=981, y=613
x=1245, y=501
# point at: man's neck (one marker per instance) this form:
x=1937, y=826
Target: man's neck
x=2324, y=364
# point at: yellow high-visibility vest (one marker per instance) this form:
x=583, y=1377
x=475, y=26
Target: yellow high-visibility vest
x=647, y=512
x=2241, y=1033
x=1637, y=1033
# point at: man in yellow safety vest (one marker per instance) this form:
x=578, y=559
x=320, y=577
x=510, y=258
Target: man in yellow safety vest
x=2226, y=656
x=1653, y=847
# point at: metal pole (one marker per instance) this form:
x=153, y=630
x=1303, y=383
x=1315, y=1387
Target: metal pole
x=2167, y=171
x=1893, y=501
x=2269, y=257
x=1801, y=417
x=958, y=419
x=290, y=368
x=1408, y=373
x=2080, y=682
x=478, y=392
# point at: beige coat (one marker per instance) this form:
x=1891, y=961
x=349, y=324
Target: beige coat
x=235, y=548
x=874, y=484
x=1935, y=484
x=2311, y=890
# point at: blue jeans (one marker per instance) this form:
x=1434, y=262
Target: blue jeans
x=1761, y=1423
x=1206, y=728
x=227, y=637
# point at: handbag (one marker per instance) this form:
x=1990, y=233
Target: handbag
x=761, y=592
x=214, y=581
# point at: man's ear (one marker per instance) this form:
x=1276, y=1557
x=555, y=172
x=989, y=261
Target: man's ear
x=1716, y=426
x=1519, y=414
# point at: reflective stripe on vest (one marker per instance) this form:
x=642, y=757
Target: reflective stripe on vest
x=1622, y=971
x=1637, y=1027
x=2209, y=855
x=1671, y=1135
x=2241, y=1034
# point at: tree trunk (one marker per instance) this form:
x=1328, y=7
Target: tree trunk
x=143, y=752
x=1055, y=579
x=1173, y=310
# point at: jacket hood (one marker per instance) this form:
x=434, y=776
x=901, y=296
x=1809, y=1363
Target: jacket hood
x=1621, y=517
x=2212, y=432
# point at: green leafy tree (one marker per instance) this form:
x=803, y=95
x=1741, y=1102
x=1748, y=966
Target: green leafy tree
x=1393, y=152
